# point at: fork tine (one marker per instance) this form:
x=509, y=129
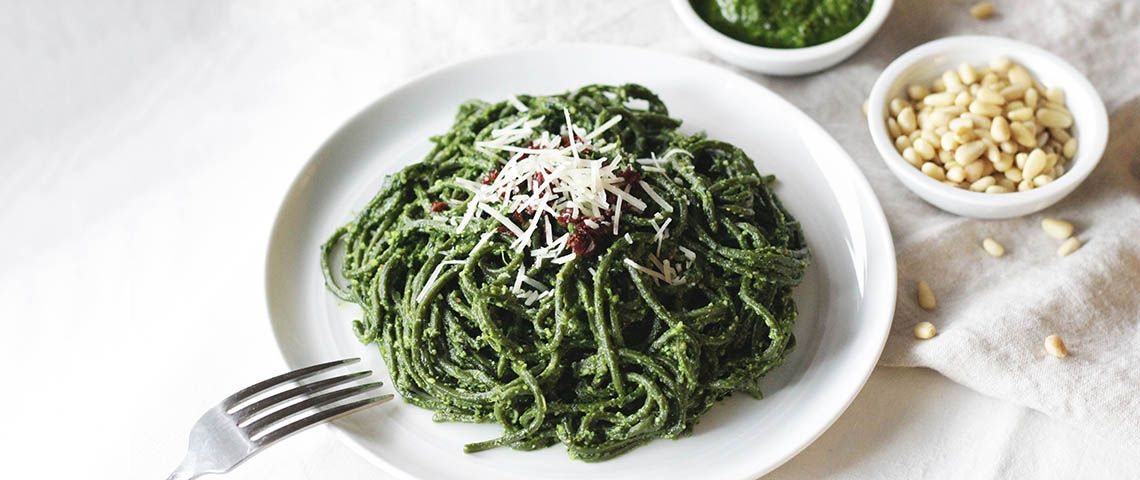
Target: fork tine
x=309, y=388
x=317, y=418
x=299, y=374
x=259, y=425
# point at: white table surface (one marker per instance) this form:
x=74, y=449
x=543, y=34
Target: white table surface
x=144, y=146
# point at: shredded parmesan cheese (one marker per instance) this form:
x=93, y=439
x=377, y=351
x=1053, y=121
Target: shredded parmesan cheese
x=514, y=101
x=656, y=198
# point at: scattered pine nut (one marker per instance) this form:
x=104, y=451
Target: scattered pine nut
x=982, y=10
x=1056, y=228
x=993, y=247
x=1071, y=245
x=1055, y=346
x=866, y=106
x=925, y=331
x=926, y=298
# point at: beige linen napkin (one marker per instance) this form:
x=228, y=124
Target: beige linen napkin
x=994, y=313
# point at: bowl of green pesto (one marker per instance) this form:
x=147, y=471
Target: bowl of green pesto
x=783, y=37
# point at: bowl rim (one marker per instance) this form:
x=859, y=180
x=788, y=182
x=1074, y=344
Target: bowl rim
x=863, y=31
x=1092, y=134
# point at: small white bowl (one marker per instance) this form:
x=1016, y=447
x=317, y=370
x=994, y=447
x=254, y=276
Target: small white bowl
x=926, y=62
x=783, y=61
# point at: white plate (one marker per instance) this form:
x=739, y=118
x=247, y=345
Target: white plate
x=846, y=301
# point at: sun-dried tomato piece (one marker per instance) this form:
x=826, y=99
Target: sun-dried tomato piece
x=581, y=242
x=630, y=176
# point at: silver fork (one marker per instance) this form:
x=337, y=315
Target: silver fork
x=230, y=432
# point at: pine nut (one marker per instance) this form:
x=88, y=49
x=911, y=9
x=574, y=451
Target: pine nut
x=1053, y=118
x=902, y=142
x=953, y=83
x=1020, y=159
x=1046, y=103
x=979, y=120
x=967, y=73
x=1055, y=95
x=1014, y=174
x=926, y=298
x=1070, y=148
x=989, y=96
x=968, y=153
x=1060, y=134
x=924, y=149
x=925, y=331
x=983, y=183
x=1018, y=75
x=1031, y=98
x=906, y=120
x=964, y=136
x=1035, y=164
x=956, y=174
x=990, y=80
x=1020, y=115
x=999, y=129
x=993, y=248
x=1053, y=345
x=992, y=152
x=982, y=10
x=933, y=171
x=963, y=99
x=1025, y=185
x=998, y=189
x=1042, y=180
x=943, y=99
x=1023, y=134
x=896, y=105
x=1069, y=246
x=912, y=157
x=983, y=108
x=948, y=142
x=930, y=137
x=1000, y=64
x=917, y=92
x=974, y=171
x=893, y=127
x=959, y=125
x=1056, y=228
x=1014, y=92
x=1003, y=163
x=987, y=168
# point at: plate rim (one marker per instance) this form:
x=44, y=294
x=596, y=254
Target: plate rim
x=863, y=188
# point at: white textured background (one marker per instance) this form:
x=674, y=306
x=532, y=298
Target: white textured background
x=144, y=145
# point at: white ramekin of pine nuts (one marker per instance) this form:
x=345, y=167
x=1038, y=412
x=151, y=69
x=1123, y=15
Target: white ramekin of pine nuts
x=987, y=127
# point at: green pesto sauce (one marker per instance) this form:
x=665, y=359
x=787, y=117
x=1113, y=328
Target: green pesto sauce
x=783, y=23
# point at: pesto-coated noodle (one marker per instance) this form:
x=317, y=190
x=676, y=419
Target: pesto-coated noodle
x=598, y=336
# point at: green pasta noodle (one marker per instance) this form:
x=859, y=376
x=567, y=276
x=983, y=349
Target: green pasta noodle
x=602, y=340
